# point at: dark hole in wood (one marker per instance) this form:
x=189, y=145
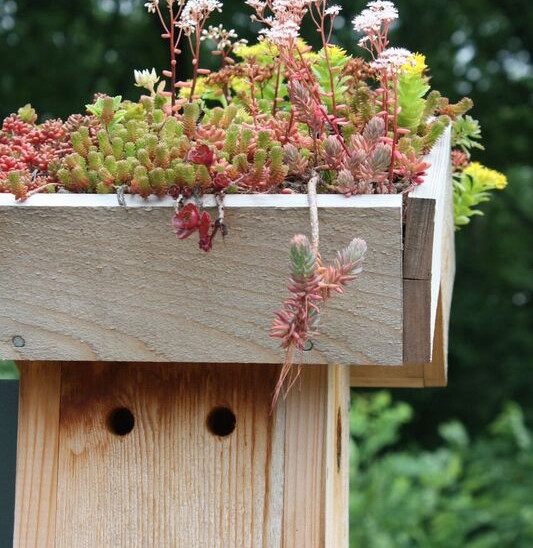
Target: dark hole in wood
x=221, y=421
x=121, y=421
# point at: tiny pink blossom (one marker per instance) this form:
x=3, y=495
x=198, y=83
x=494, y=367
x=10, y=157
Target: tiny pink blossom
x=374, y=15
x=392, y=60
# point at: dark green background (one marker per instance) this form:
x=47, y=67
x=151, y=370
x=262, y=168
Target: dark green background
x=57, y=54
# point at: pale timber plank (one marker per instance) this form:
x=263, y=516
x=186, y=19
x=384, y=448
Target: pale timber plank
x=114, y=284
x=37, y=455
x=436, y=372
x=447, y=277
x=305, y=500
x=316, y=459
x=170, y=483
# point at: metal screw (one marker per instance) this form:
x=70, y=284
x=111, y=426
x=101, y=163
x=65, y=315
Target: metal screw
x=308, y=346
x=18, y=341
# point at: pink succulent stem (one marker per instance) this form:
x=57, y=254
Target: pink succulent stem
x=394, y=134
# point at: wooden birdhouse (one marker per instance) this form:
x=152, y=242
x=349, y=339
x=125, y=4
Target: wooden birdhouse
x=147, y=372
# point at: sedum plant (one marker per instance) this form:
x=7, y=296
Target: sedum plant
x=472, y=182
x=275, y=117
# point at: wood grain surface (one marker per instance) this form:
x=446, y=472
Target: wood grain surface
x=37, y=455
x=114, y=284
x=170, y=483
x=277, y=481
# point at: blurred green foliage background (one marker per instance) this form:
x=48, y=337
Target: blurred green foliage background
x=433, y=468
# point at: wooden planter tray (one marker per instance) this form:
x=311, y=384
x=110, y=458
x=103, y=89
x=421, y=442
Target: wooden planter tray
x=85, y=279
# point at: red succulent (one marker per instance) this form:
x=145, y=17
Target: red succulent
x=186, y=221
x=190, y=219
x=221, y=181
x=206, y=239
x=201, y=154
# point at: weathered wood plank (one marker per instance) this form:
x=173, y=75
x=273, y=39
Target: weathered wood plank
x=113, y=284
x=416, y=321
x=428, y=207
x=436, y=371
x=170, y=482
x=37, y=455
x=418, y=239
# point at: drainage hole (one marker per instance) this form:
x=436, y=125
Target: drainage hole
x=120, y=421
x=221, y=421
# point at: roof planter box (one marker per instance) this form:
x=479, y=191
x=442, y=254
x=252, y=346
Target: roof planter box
x=84, y=278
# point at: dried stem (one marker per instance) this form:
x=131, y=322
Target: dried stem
x=394, y=135
x=40, y=188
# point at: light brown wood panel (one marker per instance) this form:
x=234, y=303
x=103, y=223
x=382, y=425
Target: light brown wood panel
x=170, y=483
x=337, y=458
x=378, y=376
x=304, y=520
x=37, y=455
x=316, y=459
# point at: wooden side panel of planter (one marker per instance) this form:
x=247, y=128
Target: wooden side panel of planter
x=278, y=481
x=82, y=281
x=427, y=213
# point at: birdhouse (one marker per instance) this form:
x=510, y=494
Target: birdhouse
x=147, y=372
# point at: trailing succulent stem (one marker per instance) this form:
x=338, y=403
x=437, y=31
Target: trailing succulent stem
x=311, y=284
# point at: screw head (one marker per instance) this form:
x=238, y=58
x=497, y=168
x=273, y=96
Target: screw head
x=18, y=341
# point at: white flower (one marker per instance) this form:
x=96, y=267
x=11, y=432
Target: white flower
x=288, y=5
x=333, y=10
x=196, y=11
x=387, y=10
x=372, y=17
x=146, y=79
x=222, y=38
x=281, y=33
x=392, y=60
x=151, y=6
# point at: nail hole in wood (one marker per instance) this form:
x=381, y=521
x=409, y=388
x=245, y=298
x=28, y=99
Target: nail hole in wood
x=120, y=421
x=221, y=421
x=18, y=341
